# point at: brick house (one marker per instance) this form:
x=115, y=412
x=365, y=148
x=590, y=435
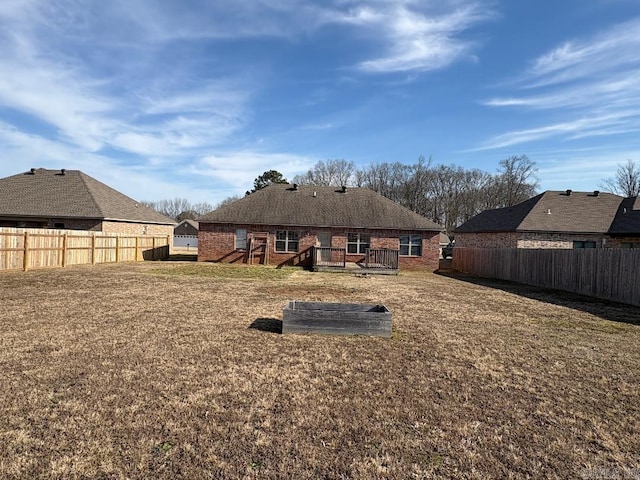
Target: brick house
x=625, y=228
x=556, y=219
x=71, y=199
x=286, y=221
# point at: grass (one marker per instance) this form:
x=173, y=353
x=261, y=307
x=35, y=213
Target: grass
x=178, y=371
x=223, y=271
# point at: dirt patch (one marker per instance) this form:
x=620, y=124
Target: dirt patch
x=179, y=371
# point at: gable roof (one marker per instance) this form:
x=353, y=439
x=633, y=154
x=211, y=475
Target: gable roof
x=70, y=194
x=186, y=225
x=551, y=211
x=188, y=221
x=627, y=219
x=307, y=205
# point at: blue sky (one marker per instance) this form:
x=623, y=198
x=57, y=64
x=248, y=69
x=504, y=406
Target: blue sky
x=194, y=99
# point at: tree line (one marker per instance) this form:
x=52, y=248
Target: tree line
x=447, y=194
x=179, y=209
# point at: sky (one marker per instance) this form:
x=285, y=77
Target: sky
x=194, y=99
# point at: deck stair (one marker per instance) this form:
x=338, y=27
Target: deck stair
x=258, y=248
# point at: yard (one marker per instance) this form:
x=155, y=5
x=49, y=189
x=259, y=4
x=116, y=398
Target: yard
x=178, y=370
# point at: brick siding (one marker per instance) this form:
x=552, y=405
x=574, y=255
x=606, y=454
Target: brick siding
x=138, y=228
x=537, y=240
x=216, y=243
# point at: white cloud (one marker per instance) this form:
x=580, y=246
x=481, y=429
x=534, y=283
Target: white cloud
x=416, y=40
x=591, y=84
x=239, y=169
x=578, y=128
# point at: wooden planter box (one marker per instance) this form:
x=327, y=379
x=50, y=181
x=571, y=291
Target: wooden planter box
x=336, y=318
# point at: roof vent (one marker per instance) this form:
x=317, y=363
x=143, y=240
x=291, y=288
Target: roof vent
x=63, y=171
x=315, y=194
x=295, y=186
x=344, y=189
x=548, y=211
x=569, y=193
x=33, y=171
x=596, y=193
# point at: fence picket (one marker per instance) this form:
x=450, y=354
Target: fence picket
x=42, y=248
x=609, y=274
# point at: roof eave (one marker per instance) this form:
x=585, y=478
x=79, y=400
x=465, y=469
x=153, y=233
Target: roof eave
x=226, y=222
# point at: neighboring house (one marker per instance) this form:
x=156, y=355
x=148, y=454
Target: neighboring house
x=186, y=227
x=288, y=220
x=556, y=219
x=444, y=241
x=625, y=229
x=71, y=199
x=186, y=234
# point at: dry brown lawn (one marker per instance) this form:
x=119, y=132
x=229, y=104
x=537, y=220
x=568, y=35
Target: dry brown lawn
x=162, y=370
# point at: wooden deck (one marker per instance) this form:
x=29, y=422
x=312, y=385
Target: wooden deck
x=376, y=262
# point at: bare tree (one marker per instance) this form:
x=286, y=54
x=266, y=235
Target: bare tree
x=227, y=201
x=335, y=173
x=517, y=180
x=179, y=208
x=626, y=181
x=202, y=207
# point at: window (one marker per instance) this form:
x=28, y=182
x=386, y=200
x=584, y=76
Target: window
x=411, y=245
x=286, y=241
x=241, y=239
x=584, y=244
x=358, y=242
x=629, y=245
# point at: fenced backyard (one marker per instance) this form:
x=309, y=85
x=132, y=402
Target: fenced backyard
x=170, y=370
x=610, y=274
x=26, y=249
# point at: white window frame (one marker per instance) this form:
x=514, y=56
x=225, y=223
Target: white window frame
x=413, y=240
x=362, y=242
x=291, y=237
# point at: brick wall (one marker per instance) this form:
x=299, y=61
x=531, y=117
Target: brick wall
x=137, y=228
x=216, y=243
x=616, y=242
x=556, y=240
x=526, y=240
x=487, y=240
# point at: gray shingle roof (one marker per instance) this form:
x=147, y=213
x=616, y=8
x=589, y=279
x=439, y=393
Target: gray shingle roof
x=50, y=193
x=280, y=204
x=627, y=220
x=551, y=211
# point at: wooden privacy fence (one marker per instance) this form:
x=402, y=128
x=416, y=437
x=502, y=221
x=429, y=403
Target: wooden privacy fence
x=25, y=249
x=610, y=274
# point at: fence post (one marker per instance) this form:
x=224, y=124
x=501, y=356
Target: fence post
x=64, y=250
x=137, y=249
x=153, y=248
x=93, y=249
x=25, y=256
x=117, y=249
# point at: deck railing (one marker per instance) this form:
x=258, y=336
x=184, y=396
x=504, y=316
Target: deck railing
x=329, y=257
x=381, y=258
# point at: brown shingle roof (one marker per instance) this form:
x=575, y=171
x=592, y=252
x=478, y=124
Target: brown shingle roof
x=281, y=204
x=551, y=211
x=72, y=194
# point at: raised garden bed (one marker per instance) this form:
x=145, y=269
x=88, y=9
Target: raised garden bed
x=336, y=318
